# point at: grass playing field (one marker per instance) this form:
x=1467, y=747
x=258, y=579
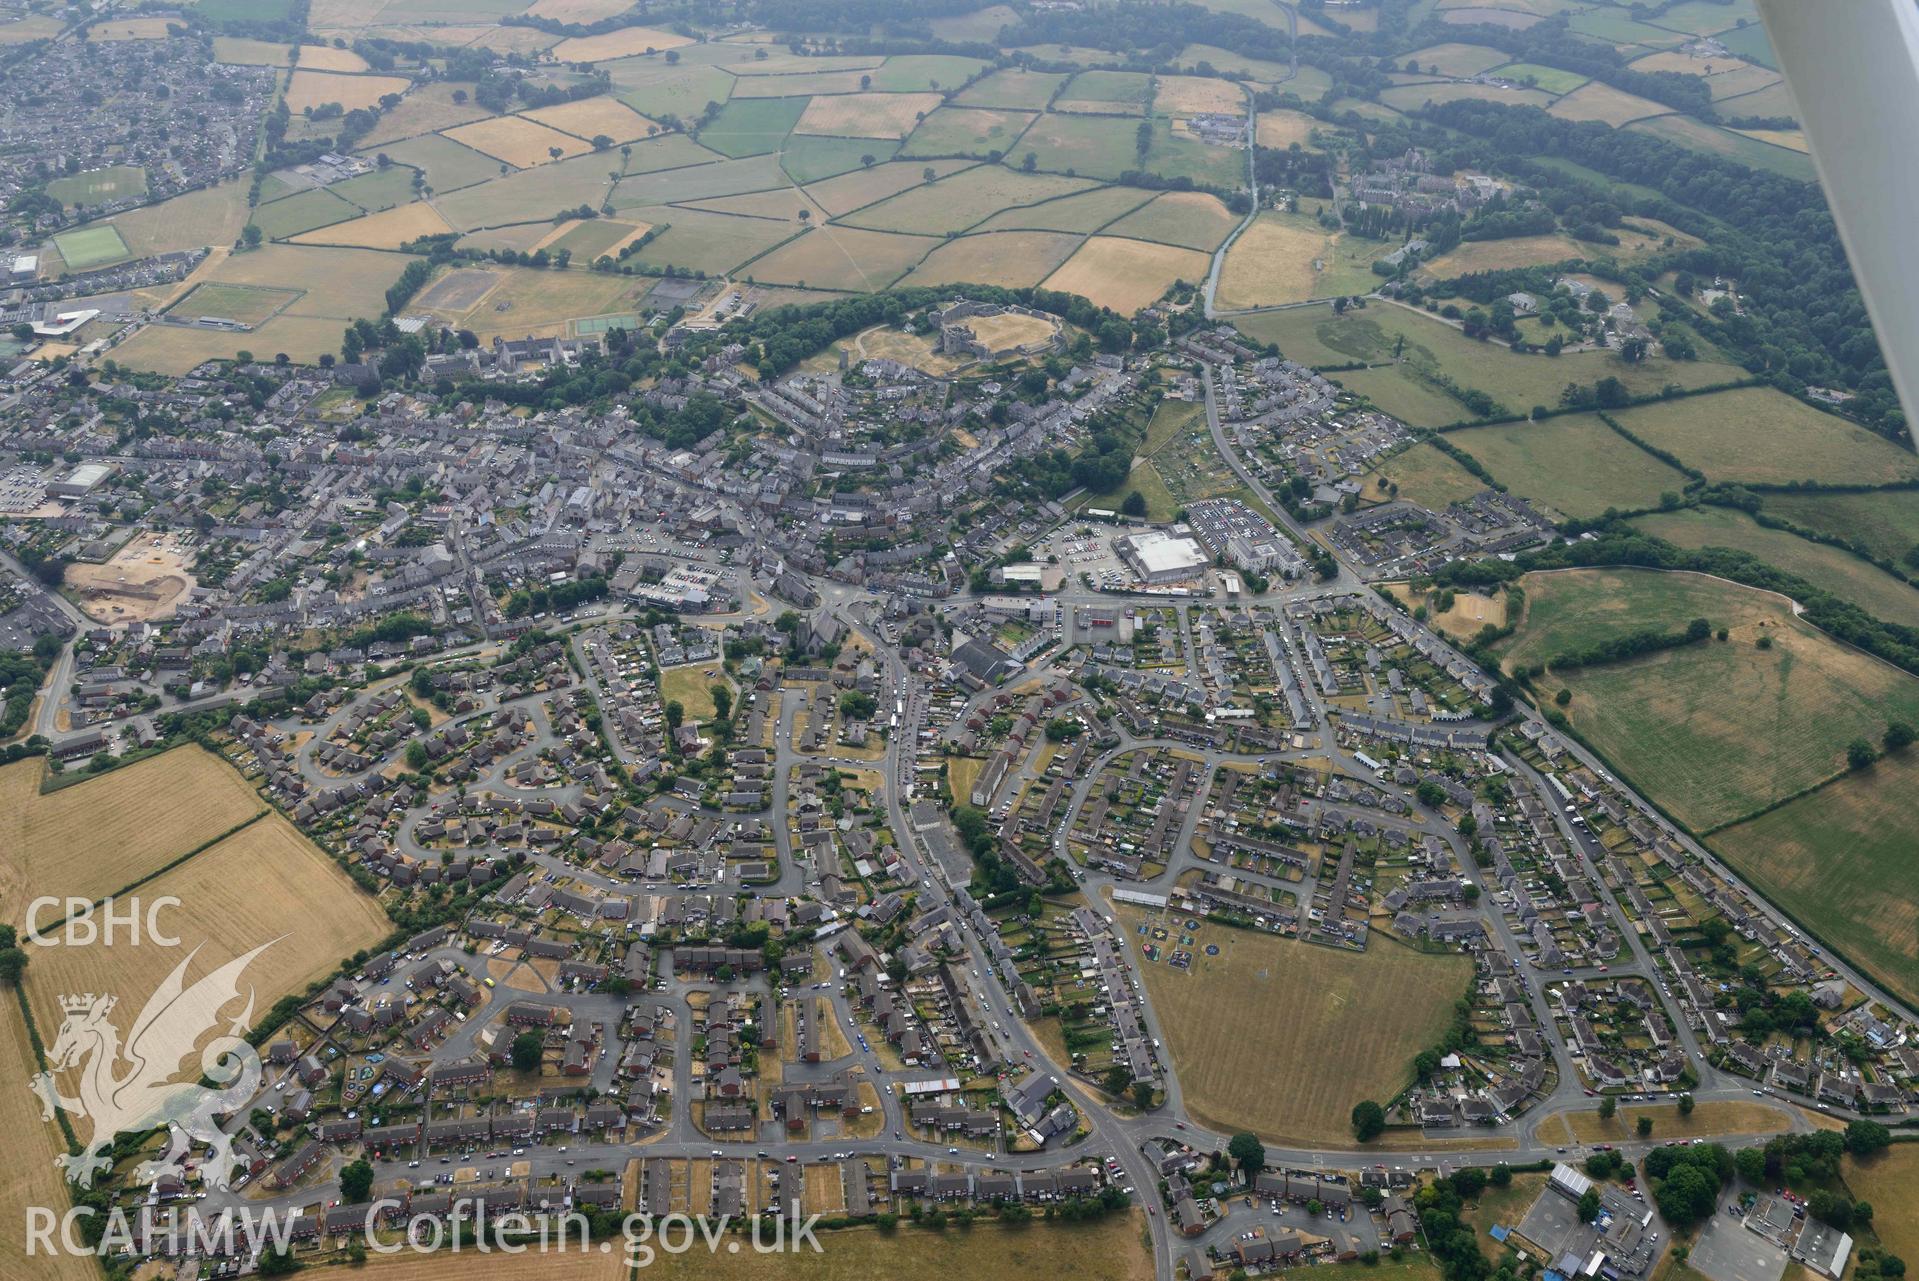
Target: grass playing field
x=692, y=688
x=248, y=304
x=1761, y=435
x=90, y=246
x=1717, y=730
x=97, y=186
x=1247, y=1028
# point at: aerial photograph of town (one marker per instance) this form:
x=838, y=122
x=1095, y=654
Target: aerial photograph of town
x=883, y=640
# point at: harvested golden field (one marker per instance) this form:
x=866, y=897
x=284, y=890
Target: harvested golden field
x=590, y=118
x=316, y=88
x=129, y=29
x=1275, y=261
x=1515, y=251
x=866, y=115
x=554, y=1265
x=1281, y=129
x=389, y=229
x=1013, y=259
x=1198, y=95
x=90, y=839
x=583, y=12
x=317, y=57
x=34, y=1180
x=1194, y=219
x=519, y=142
x=1599, y=101
x=428, y=109
x=625, y=43
x=849, y=191
x=238, y=52
x=842, y=258
x=1790, y=139
x=1248, y=1028
x=1109, y=1251
x=1126, y=275
x=266, y=884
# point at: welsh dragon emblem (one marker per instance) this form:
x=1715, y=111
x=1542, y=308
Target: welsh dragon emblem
x=130, y=1089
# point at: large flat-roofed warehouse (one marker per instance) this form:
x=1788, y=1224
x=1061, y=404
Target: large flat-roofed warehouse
x=85, y=479
x=1158, y=556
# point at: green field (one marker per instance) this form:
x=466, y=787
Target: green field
x=809, y=159
x=1713, y=141
x=916, y=72
x=1763, y=436
x=1107, y=146
x=1086, y=212
x=99, y=186
x=1886, y=524
x=1839, y=572
x=966, y=131
x=1315, y=336
x=448, y=166
x=1027, y=90
x=1551, y=79
x=1574, y=464
x=962, y=200
x=242, y=13
x=1424, y=475
x=1840, y=860
x=1116, y=90
x=752, y=126
x=248, y=304
x=90, y=247
x=1400, y=391
x=381, y=189
x=305, y=212
x=1714, y=731
x=654, y=87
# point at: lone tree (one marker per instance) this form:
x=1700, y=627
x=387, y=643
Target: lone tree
x=1589, y=1205
x=1608, y=1108
x=1644, y=1126
x=1369, y=1120
x=526, y=1051
x=1248, y=1154
x=356, y=1182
